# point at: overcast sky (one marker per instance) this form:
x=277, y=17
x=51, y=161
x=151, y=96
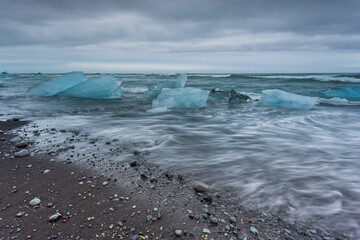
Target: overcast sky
x=180, y=36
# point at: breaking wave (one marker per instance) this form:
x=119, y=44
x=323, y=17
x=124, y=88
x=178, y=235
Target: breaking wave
x=322, y=78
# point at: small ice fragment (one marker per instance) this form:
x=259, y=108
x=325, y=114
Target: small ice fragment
x=179, y=83
x=104, y=87
x=56, y=85
x=335, y=101
x=279, y=98
x=157, y=110
x=345, y=92
x=181, y=98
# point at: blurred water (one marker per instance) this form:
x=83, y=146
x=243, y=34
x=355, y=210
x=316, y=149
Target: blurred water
x=270, y=158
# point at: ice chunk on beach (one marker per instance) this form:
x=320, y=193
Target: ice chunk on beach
x=179, y=83
x=279, y=98
x=104, y=87
x=345, y=92
x=57, y=85
x=181, y=98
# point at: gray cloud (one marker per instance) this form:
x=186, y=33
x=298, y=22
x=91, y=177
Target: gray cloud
x=131, y=27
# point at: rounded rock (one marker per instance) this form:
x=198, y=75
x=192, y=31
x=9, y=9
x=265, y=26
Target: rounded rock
x=178, y=233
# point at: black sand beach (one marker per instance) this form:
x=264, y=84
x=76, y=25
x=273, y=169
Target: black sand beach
x=139, y=202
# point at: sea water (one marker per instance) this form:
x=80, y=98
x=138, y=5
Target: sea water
x=304, y=162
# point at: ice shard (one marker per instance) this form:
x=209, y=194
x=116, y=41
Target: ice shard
x=181, y=98
x=178, y=83
x=279, y=98
x=56, y=85
x=104, y=87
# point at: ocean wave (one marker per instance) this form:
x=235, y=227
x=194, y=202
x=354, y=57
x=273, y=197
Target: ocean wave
x=135, y=89
x=322, y=78
x=211, y=75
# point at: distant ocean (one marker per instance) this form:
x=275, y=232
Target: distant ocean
x=303, y=162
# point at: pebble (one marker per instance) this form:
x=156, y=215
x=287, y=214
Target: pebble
x=15, y=139
x=133, y=164
x=20, y=214
x=21, y=144
x=22, y=153
x=201, y=187
x=253, y=230
x=50, y=205
x=35, y=201
x=214, y=220
x=232, y=220
x=205, y=230
x=54, y=217
x=178, y=233
x=105, y=183
x=47, y=171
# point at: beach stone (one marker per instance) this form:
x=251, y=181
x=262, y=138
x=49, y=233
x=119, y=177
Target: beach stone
x=205, y=230
x=201, y=187
x=50, y=205
x=35, y=201
x=253, y=230
x=232, y=220
x=54, y=217
x=133, y=164
x=15, y=139
x=207, y=198
x=21, y=144
x=178, y=233
x=214, y=220
x=22, y=153
x=20, y=214
x=47, y=171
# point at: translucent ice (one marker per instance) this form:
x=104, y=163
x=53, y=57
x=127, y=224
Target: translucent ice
x=104, y=87
x=334, y=101
x=181, y=98
x=279, y=98
x=57, y=85
x=345, y=92
x=179, y=83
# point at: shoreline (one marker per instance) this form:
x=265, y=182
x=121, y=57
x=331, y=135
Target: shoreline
x=140, y=201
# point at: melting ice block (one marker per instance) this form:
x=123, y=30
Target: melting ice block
x=179, y=83
x=181, y=98
x=56, y=85
x=104, y=87
x=345, y=92
x=279, y=98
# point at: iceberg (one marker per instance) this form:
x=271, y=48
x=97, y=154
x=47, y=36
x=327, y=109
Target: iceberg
x=104, y=87
x=178, y=83
x=279, y=98
x=345, y=92
x=181, y=98
x=56, y=85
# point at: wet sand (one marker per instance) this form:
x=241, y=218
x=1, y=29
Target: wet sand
x=140, y=201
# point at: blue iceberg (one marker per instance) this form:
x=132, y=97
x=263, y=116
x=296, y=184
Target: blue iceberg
x=104, y=87
x=345, y=92
x=181, y=98
x=56, y=85
x=279, y=98
x=178, y=83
